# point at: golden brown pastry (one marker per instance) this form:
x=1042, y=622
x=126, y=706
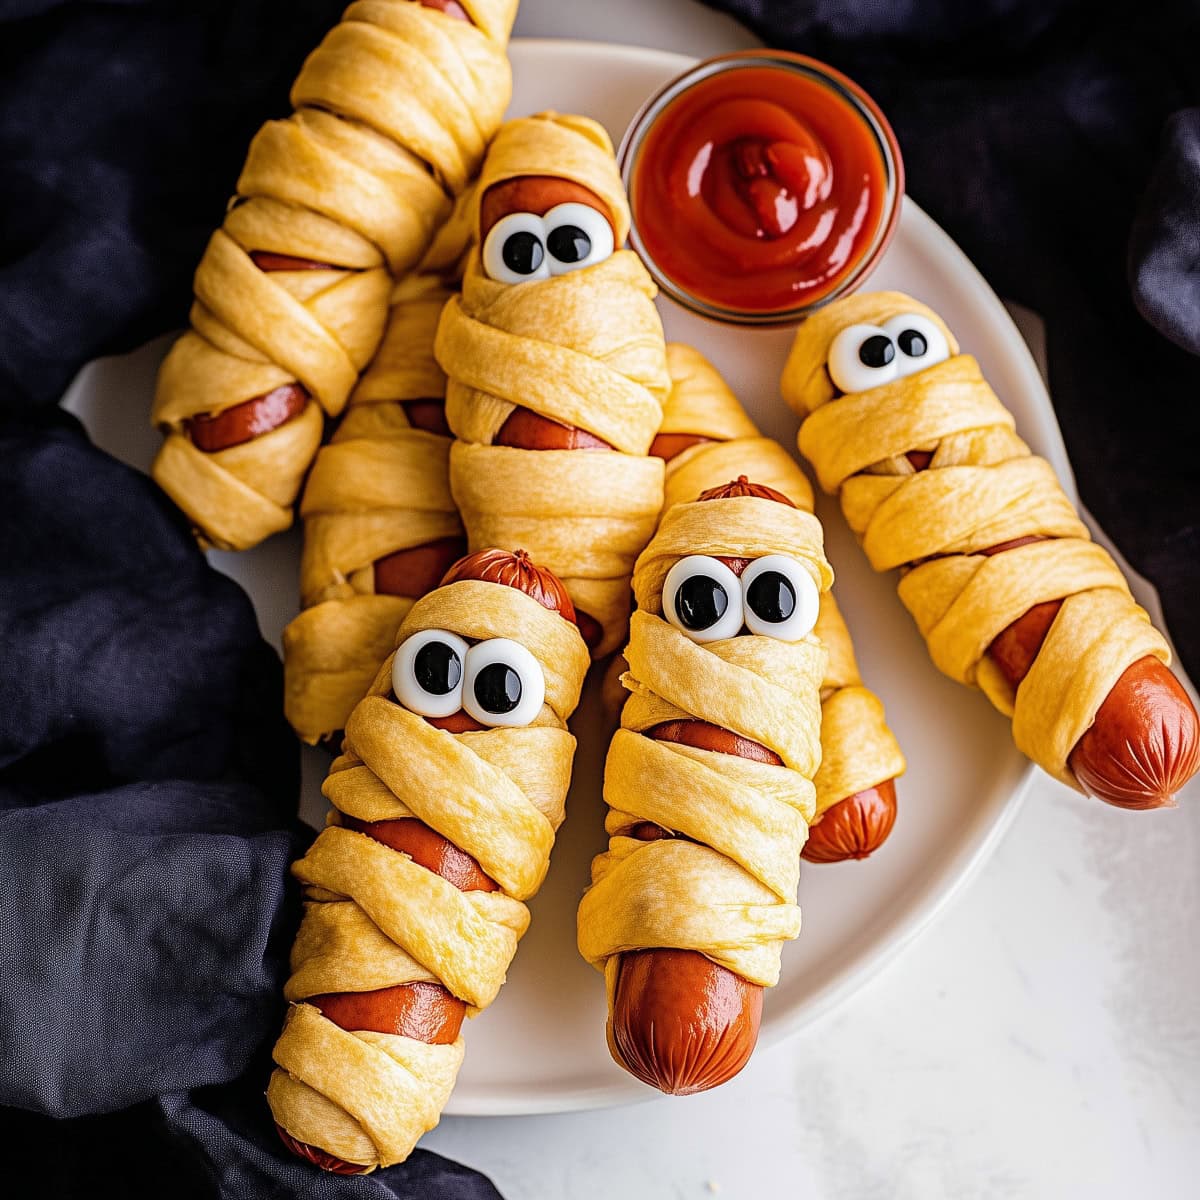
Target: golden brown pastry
x=708, y=783
x=380, y=525
x=557, y=369
x=1006, y=585
x=393, y=112
x=707, y=438
x=446, y=801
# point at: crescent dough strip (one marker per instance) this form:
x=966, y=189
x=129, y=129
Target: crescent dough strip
x=393, y=112
x=585, y=349
x=983, y=488
x=858, y=750
x=379, y=487
x=375, y=918
x=727, y=888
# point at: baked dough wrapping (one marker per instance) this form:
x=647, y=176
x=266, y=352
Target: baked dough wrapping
x=393, y=112
x=585, y=349
x=983, y=488
x=858, y=750
x=374, y=918
x=727, y=888
x=379, y=487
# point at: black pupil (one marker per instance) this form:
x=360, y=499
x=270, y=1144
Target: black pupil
x=877, y=351
x=437, y=668
x=700, y=602
x=498, y=688
x=771, y=597
x=569, y=244
x=913, y=343
x=522, y=252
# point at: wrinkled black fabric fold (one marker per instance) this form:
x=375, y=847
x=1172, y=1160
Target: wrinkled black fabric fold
x=148, y=788
x=1033, y=131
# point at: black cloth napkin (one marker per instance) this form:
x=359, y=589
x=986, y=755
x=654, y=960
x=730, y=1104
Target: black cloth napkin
x=148, y=788
x=1058, y=142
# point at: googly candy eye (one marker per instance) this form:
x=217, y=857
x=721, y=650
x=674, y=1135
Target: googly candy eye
x=921, y=344
x=427, y=673
x=503, y=683
x=702, y=598
x=862, y=357
x=781, y=600
x=576, y=236
x=514, y=250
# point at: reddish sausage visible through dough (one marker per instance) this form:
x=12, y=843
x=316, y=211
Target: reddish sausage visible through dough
x=1144, y=743
x=681, y=1022
x=417, y=570
x=854, y=827
x=667, y=445
x=267, y=260
x=429, y=415
x=250, y=419
x=528, y=430
x=422, y=1009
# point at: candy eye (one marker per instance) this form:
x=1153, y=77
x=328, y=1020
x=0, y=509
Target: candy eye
x=862, y=357
x=427, y=673
x=576, y=236
x=920, y=342
x=503, y=683
x=780, y=597
x=514, y=250
x=703, y=598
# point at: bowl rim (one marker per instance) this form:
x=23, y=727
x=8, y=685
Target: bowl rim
x=855, y=98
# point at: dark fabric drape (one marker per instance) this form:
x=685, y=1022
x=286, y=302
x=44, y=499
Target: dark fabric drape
x=1058, y=142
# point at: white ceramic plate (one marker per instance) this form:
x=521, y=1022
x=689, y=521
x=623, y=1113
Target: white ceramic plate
x=541, y=1048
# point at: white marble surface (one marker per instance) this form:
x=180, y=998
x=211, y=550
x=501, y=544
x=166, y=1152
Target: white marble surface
x=1041, y=1039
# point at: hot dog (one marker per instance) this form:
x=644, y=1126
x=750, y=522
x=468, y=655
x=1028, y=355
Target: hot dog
x=679, y=1020
x=854, y=827
x=667, y=445
x=422, y=1010
x=381, y=527
x=528, y=430
x=1001, y=575
x=252, y=418
x=248, y=420
x=706, y=434
x=418, y=570
x=268, y=260
x=450, y=7
x=523, y=428
x=334, y=205
x=538, y=194
x=427, y=414
x=1144, y=744
x=261, y=414
x=552, y=347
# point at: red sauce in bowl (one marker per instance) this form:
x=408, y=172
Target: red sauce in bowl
x=761, y=185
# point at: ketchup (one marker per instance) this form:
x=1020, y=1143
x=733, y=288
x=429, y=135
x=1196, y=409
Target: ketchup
x=760, y=188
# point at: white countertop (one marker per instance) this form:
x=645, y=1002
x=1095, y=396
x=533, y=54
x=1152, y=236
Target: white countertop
x=1041, y=1039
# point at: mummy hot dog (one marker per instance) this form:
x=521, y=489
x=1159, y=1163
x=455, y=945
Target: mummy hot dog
x=1008, y=589
x=706, y=438
x=709, y=784
x=393, y=112
x=446, y=801
x=380, y=525
x=557, y=369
